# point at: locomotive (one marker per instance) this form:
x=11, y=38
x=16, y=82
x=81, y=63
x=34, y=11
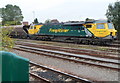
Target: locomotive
x=90, y=32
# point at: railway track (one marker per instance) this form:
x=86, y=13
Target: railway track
x=112, y=47
x=115, y=44
x=97, y=53
x=50, y=75
x=38, y=78
x=84, y=59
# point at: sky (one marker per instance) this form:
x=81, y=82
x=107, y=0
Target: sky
x=63, y=10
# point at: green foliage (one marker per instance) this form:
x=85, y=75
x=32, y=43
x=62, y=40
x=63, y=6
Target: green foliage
x=113, y=14
x=36, y=21
x=7, y=23
x=11, y=15
x=47, y=21
x=6, y=43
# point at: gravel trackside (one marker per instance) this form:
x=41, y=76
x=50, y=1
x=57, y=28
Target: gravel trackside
x=85, y=71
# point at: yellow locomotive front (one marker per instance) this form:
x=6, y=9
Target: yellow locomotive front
x=103, y=30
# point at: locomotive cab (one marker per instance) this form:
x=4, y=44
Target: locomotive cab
x=34, y=29
x=102, y=30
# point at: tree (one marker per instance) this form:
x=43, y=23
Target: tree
x=11, y=15
x=47, y=21
x=113, y=14
x=36, y=21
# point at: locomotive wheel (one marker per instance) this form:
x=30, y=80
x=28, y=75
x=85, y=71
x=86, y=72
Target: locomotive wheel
x=94, y=43
x=87, y=42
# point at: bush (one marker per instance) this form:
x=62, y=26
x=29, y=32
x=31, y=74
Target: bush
x=6, y=43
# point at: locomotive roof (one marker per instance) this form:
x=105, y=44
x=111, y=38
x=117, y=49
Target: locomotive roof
x=74, y=23
x=86, y=22
x=79, y=23
x=98, y=21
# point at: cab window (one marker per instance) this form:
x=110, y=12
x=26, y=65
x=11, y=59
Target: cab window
x=88, y=26
x=32, y=27
x=110, y=26
x=100, y=26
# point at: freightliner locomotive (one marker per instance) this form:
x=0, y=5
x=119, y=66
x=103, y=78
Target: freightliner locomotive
x=89, y=32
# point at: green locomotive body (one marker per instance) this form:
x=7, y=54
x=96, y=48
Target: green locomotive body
x=63, y=30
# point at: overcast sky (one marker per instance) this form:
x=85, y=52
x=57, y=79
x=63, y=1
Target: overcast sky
x=63, y=10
